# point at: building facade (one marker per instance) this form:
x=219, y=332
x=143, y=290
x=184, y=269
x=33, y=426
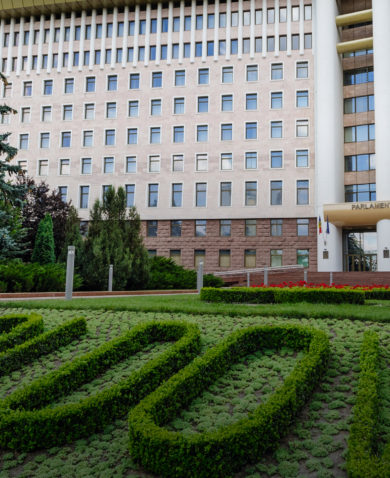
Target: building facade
x=232, y=125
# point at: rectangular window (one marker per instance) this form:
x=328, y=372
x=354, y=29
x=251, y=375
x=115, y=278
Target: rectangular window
x=200, y=227
x=176, y=228
x=226, y=132
x=225, y=227
x=356, y=134
x=283, y=43
x=46, y=114
x=178, y=134
x=25, y=115
x=251, y=101
x=227, y=103
x=360, y=192
x=130, y=190
x=180, y=78
x=63, y=190
x=302, y=69
x=277, y=71
x=152, y=195
x=233, y=47
x=134, y=81
x=178, y=162
x=84, y=196
x=250, y=193
x=251, y=130
x=203, y=104
x=303, y=192
x=250, y=227
x=155, y=135
x=112, y=82
x=302, y=99
x=251, y=160
x=87, y=138
x=202, y=133
x=111, y=110
x=303, y=257
x=178, y=106
x=224, y=258
x=276, y=129
x=89, y=111
x=276, y=193
x=27, y=88
x=227, y=74
x=276, y=227
x=302, y=227
x=225, y=194
x=302, y=128
x=48, y=87
x=200, y=194
x=131, y=164
x=67, y=112
x=226, y=161
x=44, y=141
x=270, y=44
x=276, y=100
x=203, y=76
x=151, y=228
x=108, y=165
x=175, y=255
x=199, y=256
x=90, y=84
x=86, y=166
x=198, y=49
x=276, y=159
x=109, y=137
x=359, y=76
x=157, y=79
x=295, y=42
x=302, y=158
x=155, y=107
x=132, y=136
x=66, y=138
x=250, y=258
x=43, y=167
x=276, y=257
x=154, y=164
x=23, y=141
x=177, y=195
x=308, y=41
x=64, y=166
x=201, y=162
x=360, y=162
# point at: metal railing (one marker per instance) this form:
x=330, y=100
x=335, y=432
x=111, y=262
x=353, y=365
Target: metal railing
x=264, y=270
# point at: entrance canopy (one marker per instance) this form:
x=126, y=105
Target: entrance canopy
x=367, y=213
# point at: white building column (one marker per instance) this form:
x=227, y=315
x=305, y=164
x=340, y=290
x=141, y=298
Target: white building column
x=329, y=140
x=381, y=31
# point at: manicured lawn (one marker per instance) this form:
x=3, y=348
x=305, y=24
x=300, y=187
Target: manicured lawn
x=317, y=442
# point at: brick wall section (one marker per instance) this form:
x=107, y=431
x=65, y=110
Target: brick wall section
x=263, y=242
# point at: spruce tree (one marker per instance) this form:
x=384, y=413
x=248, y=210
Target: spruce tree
x=44, y=242
x=72, y=238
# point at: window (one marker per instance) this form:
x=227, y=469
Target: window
x=175, y=255
x=131, y=164
x=151, y=228
x=132, y=136
x=250, y=227
x=276, y=193
x=250, y=258
x=48, y=87
x=178, y=106
x=112, y=82
x=302, y=99
x=276, y=257
x=251, y=101
x=177, y=195
x=356, y=134
x=360, y=162
x=210, y=48
x=90, y=84
x=202, y=132
x=234, y=47
x=198, y=48
x=130, y=192
x=302, y=227
x=276, y=100
x=178, y=162
x=87, y=138
x=64, y=166
x=359, y=76
x=250, y=193
x=359, y=104
x=302, y=158
x=180, y=77
x=46, y=114
x=67, y=112
x=276, y=227
x=26, y=115
x=302, y=69
x=251, y=130
x=199, y=256
x=111, y=110
x=221, y=47
x=308, y=41
x=307, y=12
x=226, y=161
x=227, y=74
x=295, y=42
x=203, y=104
x=224, y=258
x=203, y=76
x=251, y=160
x=282, y=42
x=226, y=132
x=133, y=108
x=225, y=227
x=201, y=162
x=303, y=257
x=225, y=194
x=178, y=134
x=43, y=167
x=200, y=194
x=154, y=164
x=302, y=128
x=108, y=165
x=86, y=166
x=276, y=129
x=134, y=81
x=152, y=195
x=360, y=192
x=200, y=228
x=270, y=44
x=109, y=137
x=89, y=111
x=66, y=137
x=155, y=135
x=63, y=190
x=277, y=71
x=157, y=79
x=276, y=159
x=303, y=192
x=84, y=195
x=44, y=141
x=227, y=103
x=176, y=228
x=252, y=73
x=27, y=88
x=23, y=141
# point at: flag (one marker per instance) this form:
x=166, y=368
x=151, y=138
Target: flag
x=327, y=225
x=319, y=225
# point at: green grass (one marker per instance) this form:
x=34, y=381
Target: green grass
x=316, y=444
x=378, y=311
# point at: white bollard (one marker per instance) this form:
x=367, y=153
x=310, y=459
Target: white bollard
x=199, y=278
x=110, y=277
x=69, y=273
x=265, y=276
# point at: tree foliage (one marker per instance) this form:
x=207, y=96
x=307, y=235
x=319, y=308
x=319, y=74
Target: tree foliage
x=43, y=252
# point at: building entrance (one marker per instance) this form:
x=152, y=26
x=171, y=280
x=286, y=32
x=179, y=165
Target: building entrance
x=360, y=251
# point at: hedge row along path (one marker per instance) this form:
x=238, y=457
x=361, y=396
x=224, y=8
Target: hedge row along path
x=314, y=445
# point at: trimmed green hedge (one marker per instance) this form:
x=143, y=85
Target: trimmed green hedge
x=219, y=453
x=23, y=353
x=362, y=460
x=273, y=295
x=18, y=328
x=377, y=294
x=26, y=425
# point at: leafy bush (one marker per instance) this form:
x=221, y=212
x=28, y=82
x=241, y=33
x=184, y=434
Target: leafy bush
x=362, y=462
x=16, y=276
x=25, y=425
x=210, y=280
x=219, y=453
x=272, y=295
x=377, y=294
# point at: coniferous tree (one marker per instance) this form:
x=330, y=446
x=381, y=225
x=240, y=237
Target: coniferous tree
x=44, y=242
x=72, y=238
